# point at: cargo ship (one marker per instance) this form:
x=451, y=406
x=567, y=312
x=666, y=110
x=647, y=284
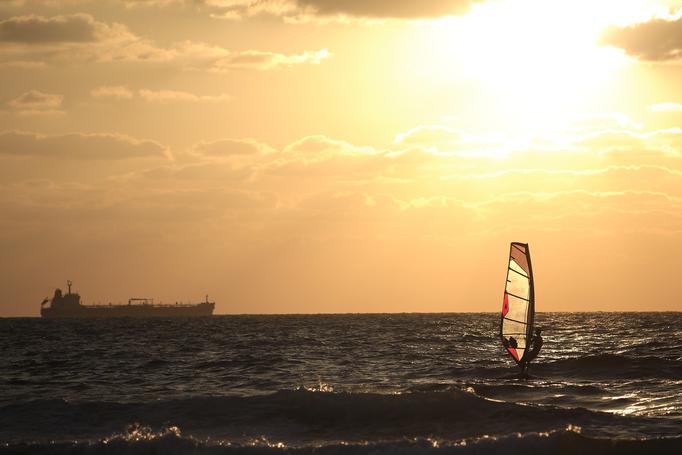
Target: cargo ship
x=69, y=306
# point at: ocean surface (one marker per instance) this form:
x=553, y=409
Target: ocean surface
x=340, y=384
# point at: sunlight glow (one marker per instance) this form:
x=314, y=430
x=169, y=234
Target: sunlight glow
x=540, y=59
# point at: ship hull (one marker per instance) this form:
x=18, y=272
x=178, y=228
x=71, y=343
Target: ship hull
x=131, y=311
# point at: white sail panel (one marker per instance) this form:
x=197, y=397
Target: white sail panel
x=518, y=308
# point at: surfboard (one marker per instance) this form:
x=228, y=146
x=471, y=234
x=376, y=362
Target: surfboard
x=518, y=303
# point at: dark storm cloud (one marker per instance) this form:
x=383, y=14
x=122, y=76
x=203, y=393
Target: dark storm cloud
x=655, y=40
x=78, y=146
x=32, y=29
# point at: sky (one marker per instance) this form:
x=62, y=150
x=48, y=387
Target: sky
x=317, y=156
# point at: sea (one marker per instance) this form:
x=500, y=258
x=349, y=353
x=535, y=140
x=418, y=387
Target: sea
x=606, y=383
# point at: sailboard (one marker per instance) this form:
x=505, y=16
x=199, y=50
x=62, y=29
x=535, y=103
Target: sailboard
x=518, y=304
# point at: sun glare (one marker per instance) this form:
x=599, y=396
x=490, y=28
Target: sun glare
x=540, y=59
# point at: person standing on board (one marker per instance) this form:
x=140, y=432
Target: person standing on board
x=536, y=345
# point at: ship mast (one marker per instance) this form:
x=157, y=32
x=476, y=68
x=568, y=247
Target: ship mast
x=69, y=283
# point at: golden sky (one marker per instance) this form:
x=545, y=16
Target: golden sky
x=341, y=155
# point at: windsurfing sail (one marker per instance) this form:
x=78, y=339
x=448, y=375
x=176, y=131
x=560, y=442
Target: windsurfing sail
x=518, y=304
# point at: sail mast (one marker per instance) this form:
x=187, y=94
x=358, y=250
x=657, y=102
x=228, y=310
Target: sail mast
x=531, y=298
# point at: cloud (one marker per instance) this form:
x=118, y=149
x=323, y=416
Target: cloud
x=134, y=3
x=302, y=10
x=224, y=148
x=226, y=215
x=655, y=40
x=33, y=29
x=35, y=102
x=556, y=202
x=155, y=96
x=166, y=96
x=319, y=167
x=262, y=60
x=81, y=38
x=433, y=137
x=320, y=157
x=404, y=9
x=614, y=142
x=628, y=170
x=112, y=91
x=307, y=9
x=603, y=121
x=322, y=200
x=47, y=3
x=666, y=107
x=24, y=64
x=631, y=177
x=79, y=146
x=320, y=145
x=76, y=37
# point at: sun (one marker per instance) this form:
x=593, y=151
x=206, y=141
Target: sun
x=539, y=59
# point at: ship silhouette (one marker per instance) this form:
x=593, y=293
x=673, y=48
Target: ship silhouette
x=69, y=306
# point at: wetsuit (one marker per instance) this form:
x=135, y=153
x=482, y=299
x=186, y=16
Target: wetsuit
x=533, y=353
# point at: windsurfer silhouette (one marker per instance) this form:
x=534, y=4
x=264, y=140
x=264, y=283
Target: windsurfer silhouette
x=536, y=345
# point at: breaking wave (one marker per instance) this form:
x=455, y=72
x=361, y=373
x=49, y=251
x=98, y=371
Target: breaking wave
x=304, y=415
x=138, y=440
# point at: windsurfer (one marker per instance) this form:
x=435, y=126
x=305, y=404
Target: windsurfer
x=536, y=345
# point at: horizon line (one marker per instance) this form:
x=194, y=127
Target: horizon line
x=345, y=314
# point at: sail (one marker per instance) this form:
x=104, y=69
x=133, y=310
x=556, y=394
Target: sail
x=518, y=304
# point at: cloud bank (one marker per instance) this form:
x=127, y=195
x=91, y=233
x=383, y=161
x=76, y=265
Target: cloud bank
x=80, y=146
x=33, y=29
x=42, y=40
x=656, y=40
x=351, y=9
x=295, y=224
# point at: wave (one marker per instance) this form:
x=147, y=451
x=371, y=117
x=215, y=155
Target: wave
x=612, y=366
x=304, y=414
x=142, y=441
x=506, y=390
